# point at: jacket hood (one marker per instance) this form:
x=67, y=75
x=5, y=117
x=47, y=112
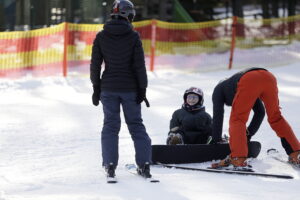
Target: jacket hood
x=117, y=27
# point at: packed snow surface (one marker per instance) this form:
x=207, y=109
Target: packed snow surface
x=50, y=142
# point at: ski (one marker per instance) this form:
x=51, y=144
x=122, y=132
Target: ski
x=111, y=180
x=132, y=168
x=228, y=171
x=274, y=153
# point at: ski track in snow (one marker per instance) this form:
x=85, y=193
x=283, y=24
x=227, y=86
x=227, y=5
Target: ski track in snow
x=50, y=142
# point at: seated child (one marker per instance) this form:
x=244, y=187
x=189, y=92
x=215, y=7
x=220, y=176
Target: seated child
x=191, y=124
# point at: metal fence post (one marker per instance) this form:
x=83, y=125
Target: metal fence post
x=233, y=36
x=66, y=42
x=153, y=41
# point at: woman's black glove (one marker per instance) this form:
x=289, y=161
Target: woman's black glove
x=141, y=96
x=96, y=94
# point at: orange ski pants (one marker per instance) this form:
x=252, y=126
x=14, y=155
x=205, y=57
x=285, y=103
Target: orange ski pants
x=253, y=85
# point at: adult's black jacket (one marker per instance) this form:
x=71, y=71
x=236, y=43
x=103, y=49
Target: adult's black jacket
x=121, y=49
x=224, y=93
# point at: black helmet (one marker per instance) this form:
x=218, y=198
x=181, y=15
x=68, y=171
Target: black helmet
x=197, y=91
x=123, y=8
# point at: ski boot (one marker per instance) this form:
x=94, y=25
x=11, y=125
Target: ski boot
x=294, y=159
x=144, y=170
x=174, y=138
x=110, y=173
x=233, y=163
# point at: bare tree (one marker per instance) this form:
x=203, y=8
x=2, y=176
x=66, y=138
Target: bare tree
x=292, y=7
x=275, y=8
x=2, y=19
x=266, y=9
x=292, y=12
x=237, y=10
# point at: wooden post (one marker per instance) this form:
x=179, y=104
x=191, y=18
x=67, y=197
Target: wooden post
x=233, y=30
x=66, y=42
x=153, y=41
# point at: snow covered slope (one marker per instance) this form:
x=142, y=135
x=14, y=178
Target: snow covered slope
x=50, y=142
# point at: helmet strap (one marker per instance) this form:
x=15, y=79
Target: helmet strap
x=130, y=18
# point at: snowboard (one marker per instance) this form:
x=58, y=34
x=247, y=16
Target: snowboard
x=196, y=153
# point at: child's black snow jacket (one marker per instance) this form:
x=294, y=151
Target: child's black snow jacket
x=195, y=126
x=121, y=49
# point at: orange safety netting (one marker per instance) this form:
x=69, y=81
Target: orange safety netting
x=191, y=46
x=268, y=42
x=23, y=51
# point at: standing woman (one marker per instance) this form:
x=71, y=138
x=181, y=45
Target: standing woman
x=123, y=82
